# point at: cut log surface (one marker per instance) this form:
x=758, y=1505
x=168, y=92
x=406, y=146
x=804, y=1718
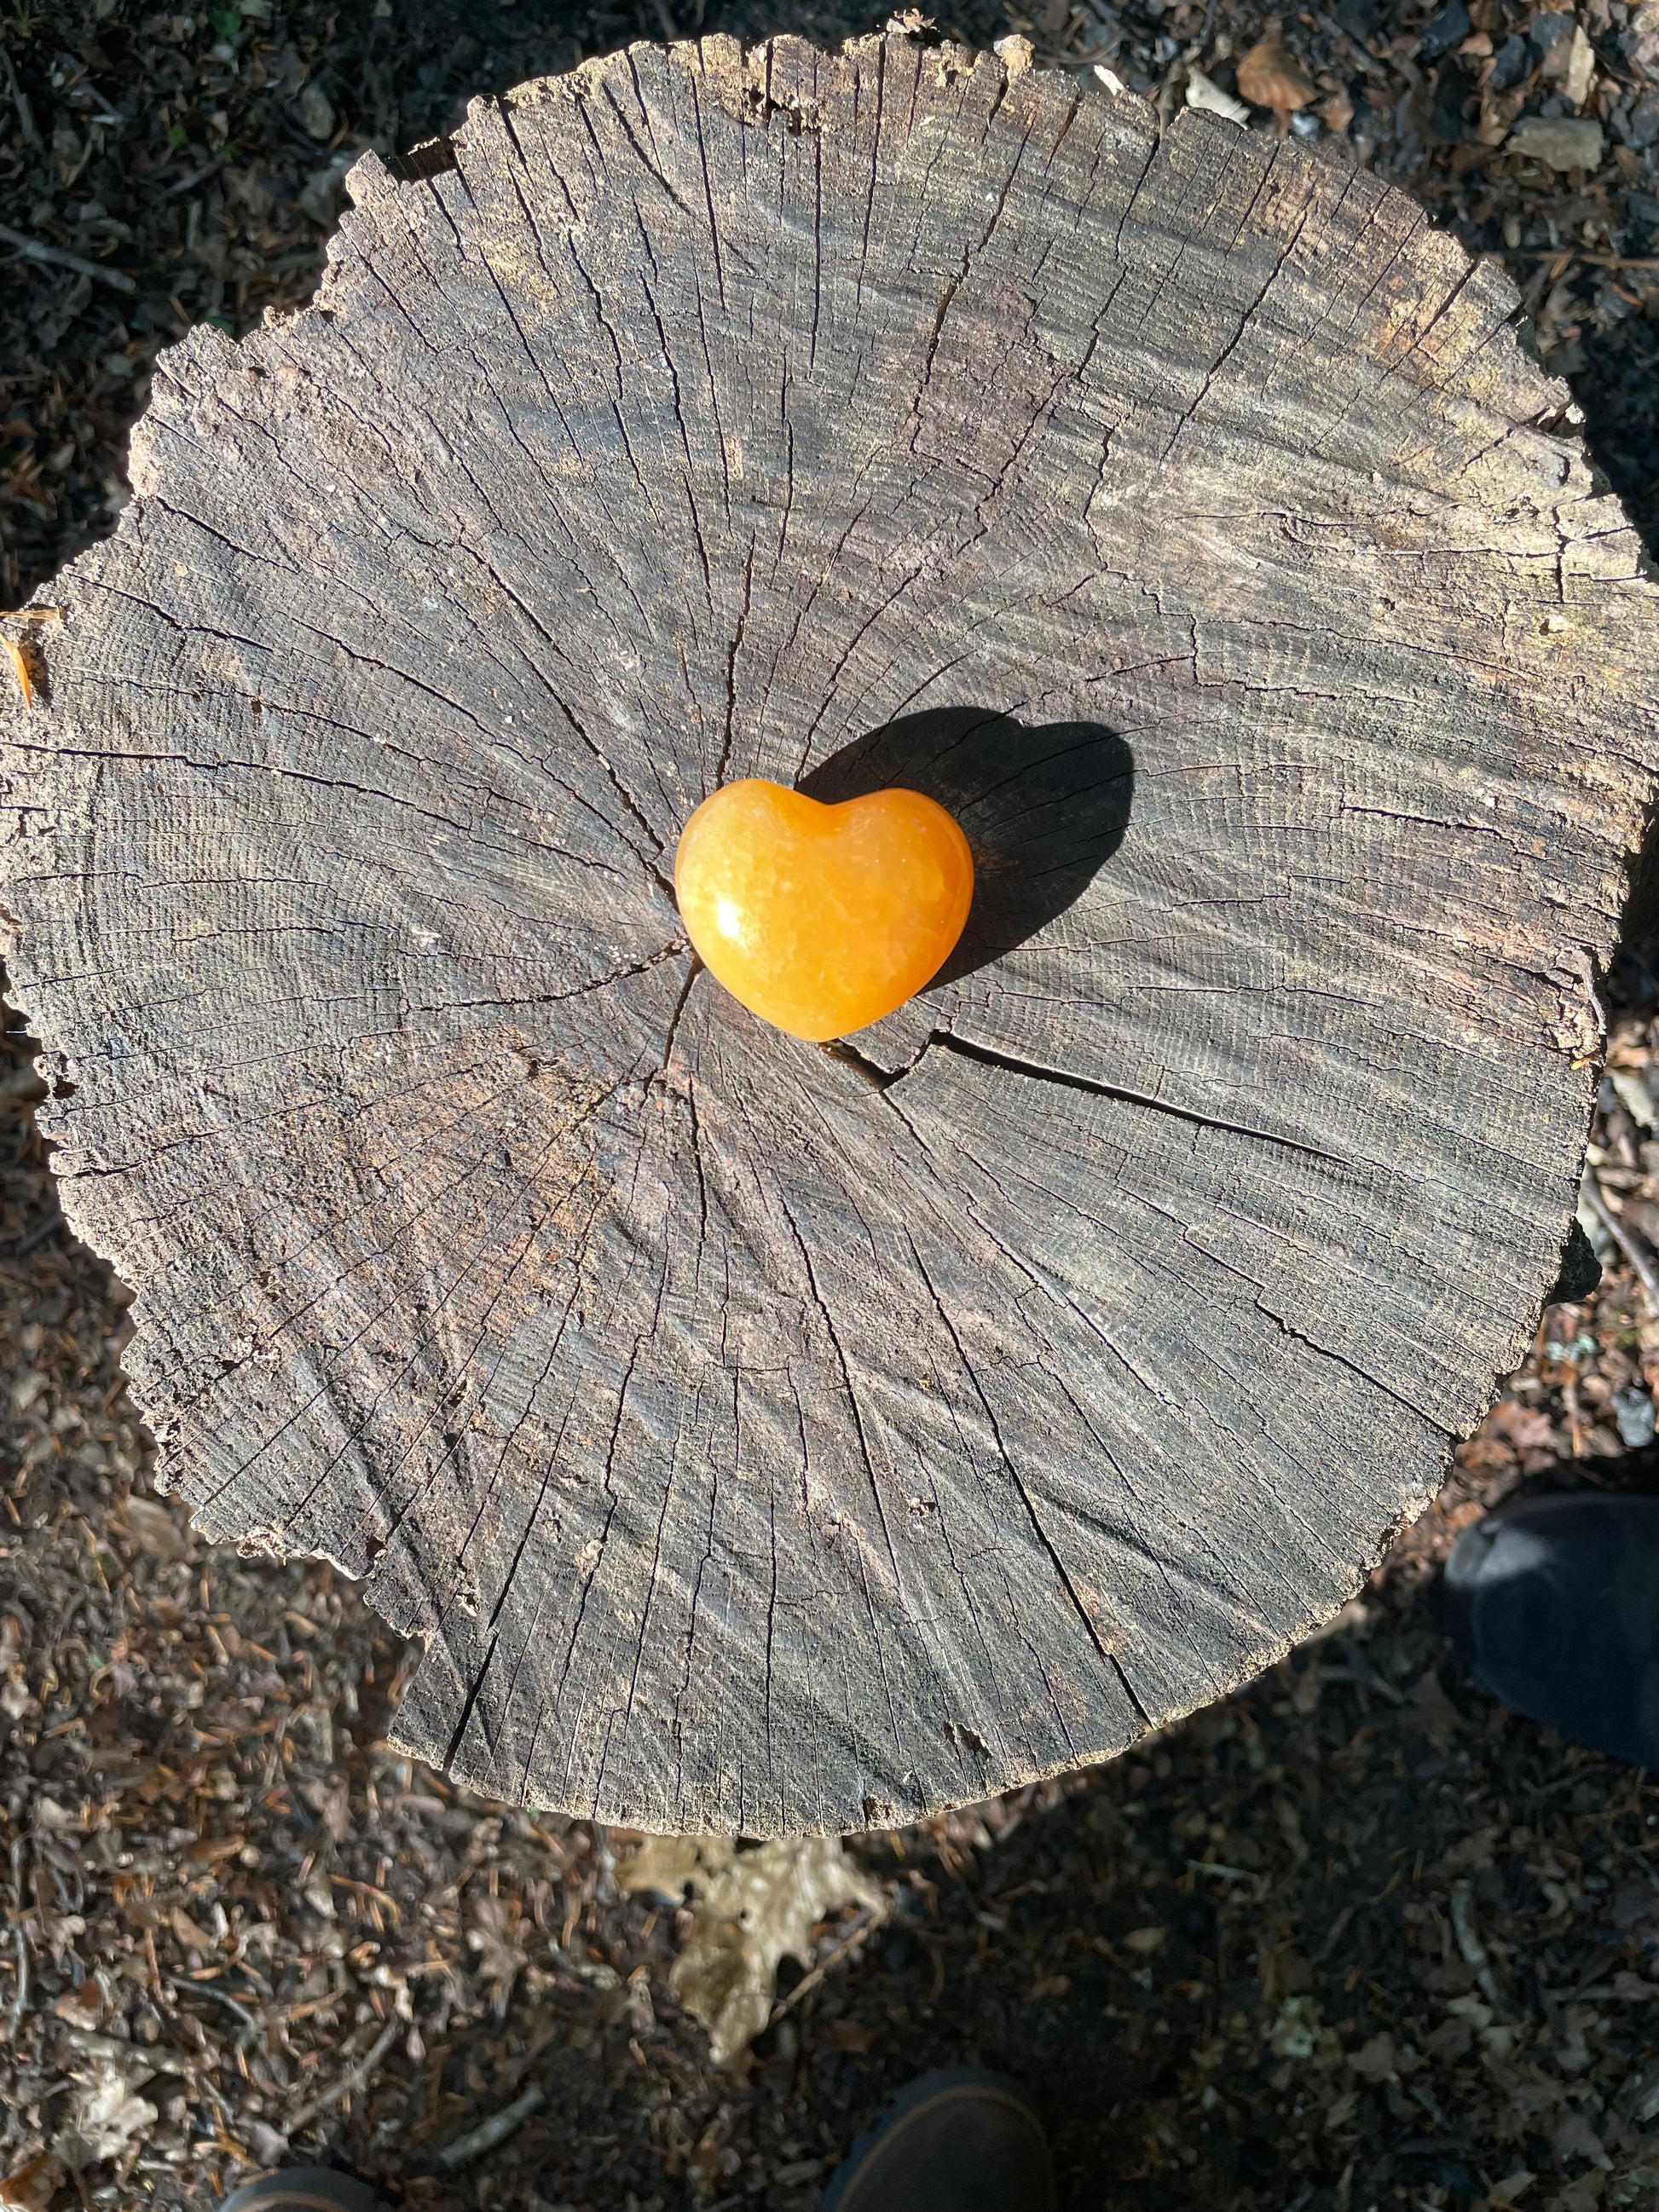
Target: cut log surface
x=761, y=1436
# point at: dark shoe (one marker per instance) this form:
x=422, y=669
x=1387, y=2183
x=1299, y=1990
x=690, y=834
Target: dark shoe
x=1554, y=1608
x=961, y=2140
x=305, y=2189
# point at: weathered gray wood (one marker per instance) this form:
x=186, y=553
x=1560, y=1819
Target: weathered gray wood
x=758, y=1441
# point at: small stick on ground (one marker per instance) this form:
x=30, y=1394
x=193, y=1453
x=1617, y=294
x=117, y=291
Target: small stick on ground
x=35, y=249
x=39, y=1235
x=495, y=2130
x=19, y=2004
x=1469, y=1943
x=21, y=100
x=1634, y=1248
x=1567, y=253
x=148, y=2058
x=862, y=1930
x=352, y=2079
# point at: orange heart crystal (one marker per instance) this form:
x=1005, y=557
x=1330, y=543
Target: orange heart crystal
x=822, y=918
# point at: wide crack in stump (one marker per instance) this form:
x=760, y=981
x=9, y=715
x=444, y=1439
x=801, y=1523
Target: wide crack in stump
x=759, y=1437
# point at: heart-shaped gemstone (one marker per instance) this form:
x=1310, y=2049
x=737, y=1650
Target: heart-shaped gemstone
x=822, y=918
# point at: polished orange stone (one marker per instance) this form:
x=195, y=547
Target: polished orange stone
x=822, y=918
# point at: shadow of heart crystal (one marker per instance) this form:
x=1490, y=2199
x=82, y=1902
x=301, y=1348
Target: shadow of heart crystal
x=1043, y=808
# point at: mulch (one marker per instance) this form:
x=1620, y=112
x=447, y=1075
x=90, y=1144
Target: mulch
x=1355, y=1939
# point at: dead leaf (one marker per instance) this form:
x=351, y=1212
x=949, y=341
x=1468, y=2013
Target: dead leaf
x=1432, y=1711
x=1290, y=1826
x=1145, y=1941
x=332, y=1801
x=1471, y=1854
x=106, y=2117
x=1575, y=2138
x=497, y=1935
x=154, y=1530
x=1294, y=2032
x=192, y=1937
x=1270, y=76
x=749, y=1909
x=82, y=2008
x=212, y=1849
x=1579, y=74
x=1498, y=113
x=1523, y=1427
x=1376, y=2061
x=1513, y=2187
x=1452, y=2039
x=1638, y=2099
x=270, y=2145
x=60, y=1930
x=35, y=2183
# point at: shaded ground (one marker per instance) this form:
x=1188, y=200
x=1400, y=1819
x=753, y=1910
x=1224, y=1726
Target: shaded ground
x=1356, y=1939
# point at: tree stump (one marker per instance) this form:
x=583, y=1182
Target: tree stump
x=761, y=1436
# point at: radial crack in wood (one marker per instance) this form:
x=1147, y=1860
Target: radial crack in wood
x=761, y=1437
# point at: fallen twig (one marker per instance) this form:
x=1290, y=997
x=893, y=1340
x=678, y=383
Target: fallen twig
x=1634, y=1248
x=1574, y=253
x=36, y=249
x=865, y=1927
x=1474, y=1952
x=250, y=2025
x=352, y=2079
x=1365, y=1678
x=20, y=2002
x=150, y=2058
x=41, y=1232
x=31, y=129
x=196, y=177
x=495, y=2130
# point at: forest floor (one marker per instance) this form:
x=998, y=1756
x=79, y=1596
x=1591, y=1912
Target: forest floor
x=1355, y=1939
